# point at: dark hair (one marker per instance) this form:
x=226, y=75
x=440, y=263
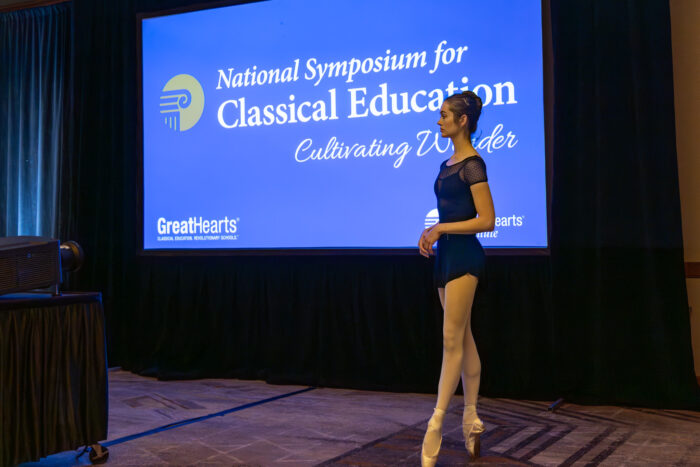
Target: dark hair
x=466, y=103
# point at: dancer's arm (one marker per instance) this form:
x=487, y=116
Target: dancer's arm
x=484, y=221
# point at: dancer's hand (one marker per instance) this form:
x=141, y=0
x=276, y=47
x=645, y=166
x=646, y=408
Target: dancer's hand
x=421, y=244
x=427, y=239
x=432, y=235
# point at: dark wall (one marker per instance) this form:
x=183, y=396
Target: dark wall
x=603, y=319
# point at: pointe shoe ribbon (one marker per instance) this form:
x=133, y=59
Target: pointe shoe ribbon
x=432, y=439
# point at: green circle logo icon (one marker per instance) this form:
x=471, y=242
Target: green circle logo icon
x=182, y=102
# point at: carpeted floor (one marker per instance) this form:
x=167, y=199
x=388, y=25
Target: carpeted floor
x=233, y=422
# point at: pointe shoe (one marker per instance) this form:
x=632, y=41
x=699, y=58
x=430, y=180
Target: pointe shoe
x=429, y=454
x=472, y=429
x=472, y=438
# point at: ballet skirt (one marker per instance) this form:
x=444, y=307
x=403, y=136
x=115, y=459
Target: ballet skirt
x=458, y=254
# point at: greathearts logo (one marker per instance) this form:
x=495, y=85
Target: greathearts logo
x=182, y=102
x=432, y=218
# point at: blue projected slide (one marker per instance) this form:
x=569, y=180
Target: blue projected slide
x=288, y=124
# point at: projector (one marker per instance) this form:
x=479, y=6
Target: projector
x=28, y=263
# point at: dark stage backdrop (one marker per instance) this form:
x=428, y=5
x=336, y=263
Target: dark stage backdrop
x=603, y=319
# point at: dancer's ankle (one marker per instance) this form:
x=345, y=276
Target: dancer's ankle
x=438, y=415
x=469, y=415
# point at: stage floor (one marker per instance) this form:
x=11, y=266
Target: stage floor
x=230, y=422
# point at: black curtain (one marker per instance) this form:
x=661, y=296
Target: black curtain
x=34, y=102
x=603, y=319
x=53, y=395
x=622, y=319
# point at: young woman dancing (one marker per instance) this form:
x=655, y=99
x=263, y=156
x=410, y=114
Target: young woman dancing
x=466, y=208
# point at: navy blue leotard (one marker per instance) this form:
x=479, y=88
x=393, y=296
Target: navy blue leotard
x=458, y=254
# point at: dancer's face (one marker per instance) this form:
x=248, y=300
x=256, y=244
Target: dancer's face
x=448, y=126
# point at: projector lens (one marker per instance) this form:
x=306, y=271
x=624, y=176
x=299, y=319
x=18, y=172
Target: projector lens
x=71, y=256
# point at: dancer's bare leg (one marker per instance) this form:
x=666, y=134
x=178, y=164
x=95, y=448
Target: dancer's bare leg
x=471, y=364
x=456, y=299
x=457, y=306
x=471, y=367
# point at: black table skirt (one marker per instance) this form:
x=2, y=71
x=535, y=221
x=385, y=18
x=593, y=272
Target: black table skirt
x=53, y=374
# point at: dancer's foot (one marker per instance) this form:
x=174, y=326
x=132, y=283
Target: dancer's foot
x=472, y=428
x=432, y=439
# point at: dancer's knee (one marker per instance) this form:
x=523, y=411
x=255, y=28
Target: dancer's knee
x=451, y=341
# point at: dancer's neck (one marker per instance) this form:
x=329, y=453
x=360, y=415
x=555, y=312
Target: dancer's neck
x=463, y=147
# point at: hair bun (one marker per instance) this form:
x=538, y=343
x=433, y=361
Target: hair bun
x=473, y=95
x=470, y=93
x=466, y=103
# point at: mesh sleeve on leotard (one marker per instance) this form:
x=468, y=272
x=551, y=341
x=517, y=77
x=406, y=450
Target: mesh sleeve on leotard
x=474, y=171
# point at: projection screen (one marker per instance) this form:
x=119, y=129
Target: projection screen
x=312, y=125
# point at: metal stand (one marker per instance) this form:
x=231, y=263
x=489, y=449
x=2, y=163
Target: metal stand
x=98, y=453
x=556, y=404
